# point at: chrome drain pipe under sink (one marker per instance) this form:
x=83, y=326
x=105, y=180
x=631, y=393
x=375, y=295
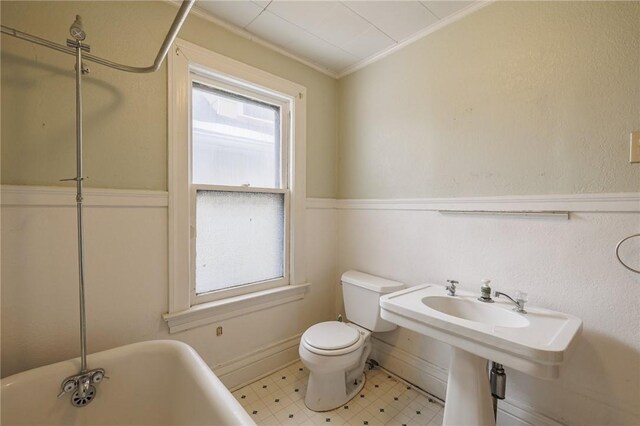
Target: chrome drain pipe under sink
x=498, y=383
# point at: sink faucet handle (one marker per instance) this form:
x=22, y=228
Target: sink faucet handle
x=521, y=298
x=452, y=288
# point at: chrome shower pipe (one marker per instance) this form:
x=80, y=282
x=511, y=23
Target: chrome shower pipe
x=181, y=16
x=79, y=198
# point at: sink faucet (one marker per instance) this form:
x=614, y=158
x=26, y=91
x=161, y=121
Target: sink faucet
x=520, y=300
x=451, y=289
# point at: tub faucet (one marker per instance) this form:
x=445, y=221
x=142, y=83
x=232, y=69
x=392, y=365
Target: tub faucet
x=520, y=300
x=83, y=386
x=451, y=289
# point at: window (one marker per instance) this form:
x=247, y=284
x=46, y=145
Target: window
x=236, y=188
x=239, y=188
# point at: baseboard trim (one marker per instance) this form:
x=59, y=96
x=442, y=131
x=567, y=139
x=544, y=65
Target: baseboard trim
x=248, y=368
x=433, y=379
x=409, y=367
x=524, y=414
x=65, y=196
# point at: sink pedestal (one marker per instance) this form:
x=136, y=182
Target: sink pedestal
x=468, y=400
x=536, y=343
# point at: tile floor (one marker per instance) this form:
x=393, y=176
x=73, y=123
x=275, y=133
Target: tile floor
x=278, y=399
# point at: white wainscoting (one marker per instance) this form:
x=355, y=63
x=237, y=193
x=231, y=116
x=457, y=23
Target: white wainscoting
x=411, y=368
x=126, y=270
x=248, y=368
x=127, y=284
x=433, y=379
x=566, y=265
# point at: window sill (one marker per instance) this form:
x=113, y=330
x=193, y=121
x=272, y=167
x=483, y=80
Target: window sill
x=207, y=313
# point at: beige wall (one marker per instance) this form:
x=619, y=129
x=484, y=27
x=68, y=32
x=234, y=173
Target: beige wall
x=125, y=114
x=518, y=98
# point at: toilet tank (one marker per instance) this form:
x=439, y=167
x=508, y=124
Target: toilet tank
x=361, y=293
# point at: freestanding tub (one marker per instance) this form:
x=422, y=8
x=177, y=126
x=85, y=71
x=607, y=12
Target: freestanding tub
x=161, y=382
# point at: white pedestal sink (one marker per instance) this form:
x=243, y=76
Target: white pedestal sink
x=536, y=343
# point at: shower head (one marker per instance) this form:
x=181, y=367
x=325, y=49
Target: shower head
x=76, y=30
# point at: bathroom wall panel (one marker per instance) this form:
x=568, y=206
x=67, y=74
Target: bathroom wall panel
x=126, y=281
x=568, y=266
x=127, y=287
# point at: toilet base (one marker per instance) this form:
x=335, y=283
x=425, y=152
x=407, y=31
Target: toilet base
x=327, y=392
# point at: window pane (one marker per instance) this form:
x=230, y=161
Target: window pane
x=240, y=238
x=236, y=140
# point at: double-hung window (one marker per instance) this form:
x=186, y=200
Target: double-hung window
x=236, y=190
x=239, y=189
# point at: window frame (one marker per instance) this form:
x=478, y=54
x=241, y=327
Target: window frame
x=285, y=141
x=187, y=63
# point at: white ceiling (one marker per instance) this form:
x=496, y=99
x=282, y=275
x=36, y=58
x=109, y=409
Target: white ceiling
x=336, y=36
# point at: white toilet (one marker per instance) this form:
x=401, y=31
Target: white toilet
x=335, y=352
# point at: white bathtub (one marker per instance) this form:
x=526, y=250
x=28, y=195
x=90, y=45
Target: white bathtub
x=160, y=382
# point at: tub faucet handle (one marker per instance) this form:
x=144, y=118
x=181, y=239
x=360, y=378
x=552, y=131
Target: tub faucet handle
x=68, y=386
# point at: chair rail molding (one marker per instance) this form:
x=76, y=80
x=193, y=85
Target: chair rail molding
x=628, y=202
x=65, y=196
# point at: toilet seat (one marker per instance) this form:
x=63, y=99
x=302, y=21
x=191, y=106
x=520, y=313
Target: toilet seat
x=332, y=338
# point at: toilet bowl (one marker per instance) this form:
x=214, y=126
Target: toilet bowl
x=334, y=352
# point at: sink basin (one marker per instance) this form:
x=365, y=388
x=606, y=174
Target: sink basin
x=471, y=311
x=537, y=342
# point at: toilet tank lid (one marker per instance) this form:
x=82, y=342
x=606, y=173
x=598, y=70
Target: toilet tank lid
x=371, y=282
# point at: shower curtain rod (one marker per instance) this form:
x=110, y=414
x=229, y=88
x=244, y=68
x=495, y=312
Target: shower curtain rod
x=185, y=7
